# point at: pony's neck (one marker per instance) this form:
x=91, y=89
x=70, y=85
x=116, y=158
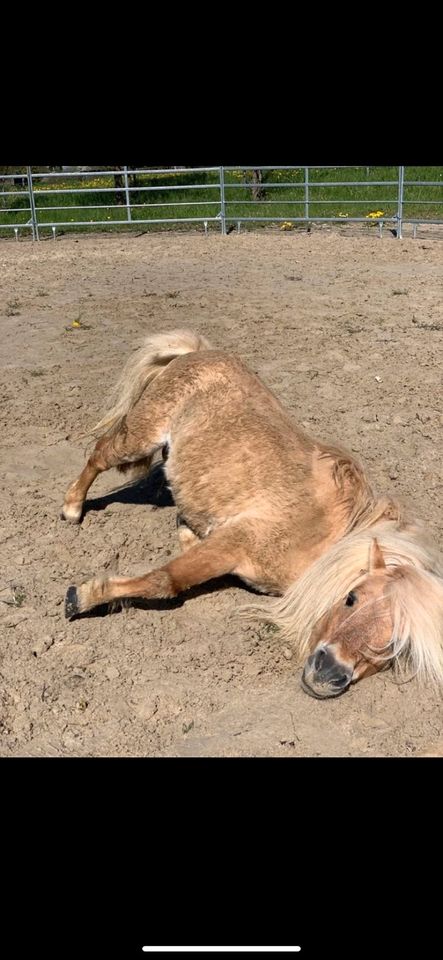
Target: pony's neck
x=352, y=503
x=375, y=511
x=344, y=504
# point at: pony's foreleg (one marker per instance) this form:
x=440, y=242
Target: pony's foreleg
x=219, y=554
x=124, y=447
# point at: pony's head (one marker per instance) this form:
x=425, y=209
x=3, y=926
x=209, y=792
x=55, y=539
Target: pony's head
x=353, y=639
x=374, y=600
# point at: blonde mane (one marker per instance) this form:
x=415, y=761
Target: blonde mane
x=416, y=594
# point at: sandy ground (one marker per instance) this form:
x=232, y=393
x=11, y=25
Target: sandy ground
x=348, y=332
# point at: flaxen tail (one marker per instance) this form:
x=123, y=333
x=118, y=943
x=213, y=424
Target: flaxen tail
x=146, y=364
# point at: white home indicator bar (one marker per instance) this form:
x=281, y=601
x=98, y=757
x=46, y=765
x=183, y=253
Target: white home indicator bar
x=221, y=949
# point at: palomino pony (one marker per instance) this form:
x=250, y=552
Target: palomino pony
x=356, y=586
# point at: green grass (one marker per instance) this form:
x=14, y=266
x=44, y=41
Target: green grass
x=279, y=202
x=17, y=596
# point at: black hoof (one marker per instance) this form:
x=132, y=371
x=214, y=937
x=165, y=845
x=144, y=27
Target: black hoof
x=71, y=603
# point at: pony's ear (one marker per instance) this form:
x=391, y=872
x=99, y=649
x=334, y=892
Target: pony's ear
x=376, y=561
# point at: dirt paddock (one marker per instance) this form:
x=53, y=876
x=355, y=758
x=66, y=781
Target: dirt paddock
x=348, y=332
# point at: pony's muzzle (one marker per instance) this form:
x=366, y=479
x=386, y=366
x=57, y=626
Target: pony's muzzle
x=324, y=676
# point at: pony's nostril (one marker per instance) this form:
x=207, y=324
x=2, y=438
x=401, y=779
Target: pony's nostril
x=340, y=681
x=319, y=657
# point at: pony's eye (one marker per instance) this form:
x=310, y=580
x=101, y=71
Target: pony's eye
x=351, y=599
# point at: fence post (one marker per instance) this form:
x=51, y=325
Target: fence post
x=34, y=222
x=222, y=201
x=401, y=180
x=307, y=193
x=128, y=199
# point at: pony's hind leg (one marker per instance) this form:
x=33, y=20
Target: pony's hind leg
x=125, y=446
x=219, y=554
x=187, y=538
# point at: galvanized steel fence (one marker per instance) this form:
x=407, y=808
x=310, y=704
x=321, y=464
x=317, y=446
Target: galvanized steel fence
x=223, y=210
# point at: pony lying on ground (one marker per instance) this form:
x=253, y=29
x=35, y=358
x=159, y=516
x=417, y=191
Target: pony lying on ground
x=356, y=586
